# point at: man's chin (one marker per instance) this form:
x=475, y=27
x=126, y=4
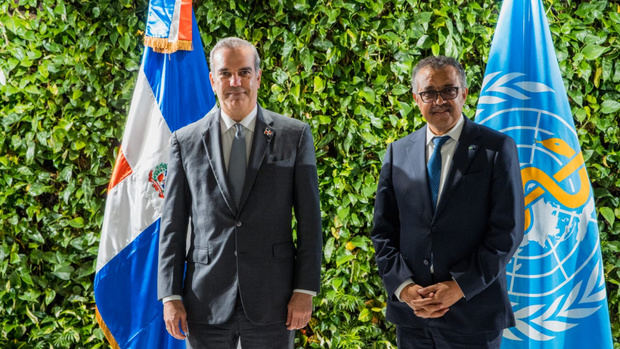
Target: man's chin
x=237, y=102
x=442, y=115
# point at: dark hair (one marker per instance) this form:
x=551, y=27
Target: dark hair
x=437, y=62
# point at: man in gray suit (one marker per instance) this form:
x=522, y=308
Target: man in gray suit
x=238, y=173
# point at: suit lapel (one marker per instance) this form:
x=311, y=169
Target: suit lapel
x=213, y=143
x=463, y=155
x=259, y=147
x=416, y=152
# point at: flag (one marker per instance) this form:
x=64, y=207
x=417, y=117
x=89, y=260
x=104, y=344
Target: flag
x=172, y=91
x=555, y=279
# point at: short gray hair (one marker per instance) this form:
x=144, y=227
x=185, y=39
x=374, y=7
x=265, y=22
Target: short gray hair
x=437, y=62
x=233, y=43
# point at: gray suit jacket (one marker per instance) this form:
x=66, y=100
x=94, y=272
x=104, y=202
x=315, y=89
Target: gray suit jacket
x=247, y=249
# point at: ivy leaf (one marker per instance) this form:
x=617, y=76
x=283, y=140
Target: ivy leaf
x=63, y=272
x=368, y=94
x=593, y=51
x=319, y=85
x=365, y=315
x=328, y=250
x=77, y=222
x=32, y=317
x=343, y=258
x=608, y=214
x=49, y=296
x=610, y=106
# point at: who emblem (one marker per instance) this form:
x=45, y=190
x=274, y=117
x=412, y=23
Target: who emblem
x=554, y=279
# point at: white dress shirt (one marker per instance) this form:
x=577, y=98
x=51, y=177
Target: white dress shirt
x=227, y=131
x=447, y=153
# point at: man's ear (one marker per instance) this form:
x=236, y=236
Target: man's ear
x=212, y=82
x=416, y=97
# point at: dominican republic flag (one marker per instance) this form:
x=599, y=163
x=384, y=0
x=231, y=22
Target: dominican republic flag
x=172, y=91
x=555, y=279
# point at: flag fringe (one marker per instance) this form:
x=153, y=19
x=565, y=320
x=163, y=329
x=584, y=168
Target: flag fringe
x=106, y=332
x=162, y=45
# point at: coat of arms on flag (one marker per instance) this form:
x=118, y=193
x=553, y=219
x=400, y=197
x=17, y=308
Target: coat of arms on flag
x=172, y=91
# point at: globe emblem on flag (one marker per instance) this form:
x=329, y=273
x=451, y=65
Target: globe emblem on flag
x=553, y=279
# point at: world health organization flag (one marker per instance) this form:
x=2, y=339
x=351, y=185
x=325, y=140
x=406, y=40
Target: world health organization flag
x=555, y=279
x=172, y=91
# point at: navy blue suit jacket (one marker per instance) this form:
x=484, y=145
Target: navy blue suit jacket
x=473, y=233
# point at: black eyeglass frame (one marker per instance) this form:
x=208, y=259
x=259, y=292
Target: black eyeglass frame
x=447, y=94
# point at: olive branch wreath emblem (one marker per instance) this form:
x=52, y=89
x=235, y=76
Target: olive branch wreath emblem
x=561, y=314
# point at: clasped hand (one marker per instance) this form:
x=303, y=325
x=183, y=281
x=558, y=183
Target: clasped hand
x=433, y=301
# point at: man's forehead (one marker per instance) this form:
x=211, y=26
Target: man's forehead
x=437, y=77
x=238, y=57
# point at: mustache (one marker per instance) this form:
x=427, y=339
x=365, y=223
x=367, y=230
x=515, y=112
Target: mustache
x=440, y=109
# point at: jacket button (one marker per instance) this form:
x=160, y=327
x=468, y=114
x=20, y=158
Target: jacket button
x=426, y=262
x=239, y=224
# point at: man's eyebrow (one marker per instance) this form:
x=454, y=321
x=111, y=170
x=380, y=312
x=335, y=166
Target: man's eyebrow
x=430, y=88
x=224, y=70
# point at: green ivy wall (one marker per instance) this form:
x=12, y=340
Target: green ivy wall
x=341, y=66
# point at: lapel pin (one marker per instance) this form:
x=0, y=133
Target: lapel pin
x=268, y=133
x=472, y=150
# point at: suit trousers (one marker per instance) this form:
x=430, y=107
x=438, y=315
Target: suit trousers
x=434, y=338
x=239, y=328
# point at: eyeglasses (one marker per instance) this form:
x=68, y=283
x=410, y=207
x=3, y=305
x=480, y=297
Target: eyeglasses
x=446, y=94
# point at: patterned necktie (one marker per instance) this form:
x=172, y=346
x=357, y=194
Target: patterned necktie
x=433, y=168
x=236, y=163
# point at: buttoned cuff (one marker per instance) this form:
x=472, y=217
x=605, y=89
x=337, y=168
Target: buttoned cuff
x=174, y=297
x=401, y=287
x=312, y=293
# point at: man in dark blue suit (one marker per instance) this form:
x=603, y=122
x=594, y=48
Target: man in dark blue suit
x=448, y=217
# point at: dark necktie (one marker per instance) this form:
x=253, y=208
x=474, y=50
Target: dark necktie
x=434, y=168
x=236, y=163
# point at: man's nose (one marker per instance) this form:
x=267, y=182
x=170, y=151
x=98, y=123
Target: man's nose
x=439, y=100
x=235, y=80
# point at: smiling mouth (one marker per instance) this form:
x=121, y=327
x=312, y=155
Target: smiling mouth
x=235, y=93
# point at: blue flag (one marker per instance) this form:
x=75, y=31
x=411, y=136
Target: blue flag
x=172, y=91
x=555, y=279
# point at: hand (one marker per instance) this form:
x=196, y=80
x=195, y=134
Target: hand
x=174, y=311
x=437, y=299
x=299, y=311
x=409, y=293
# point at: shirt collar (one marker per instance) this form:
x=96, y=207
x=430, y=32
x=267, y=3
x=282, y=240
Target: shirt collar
x=249, y=122
x=454, y=133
